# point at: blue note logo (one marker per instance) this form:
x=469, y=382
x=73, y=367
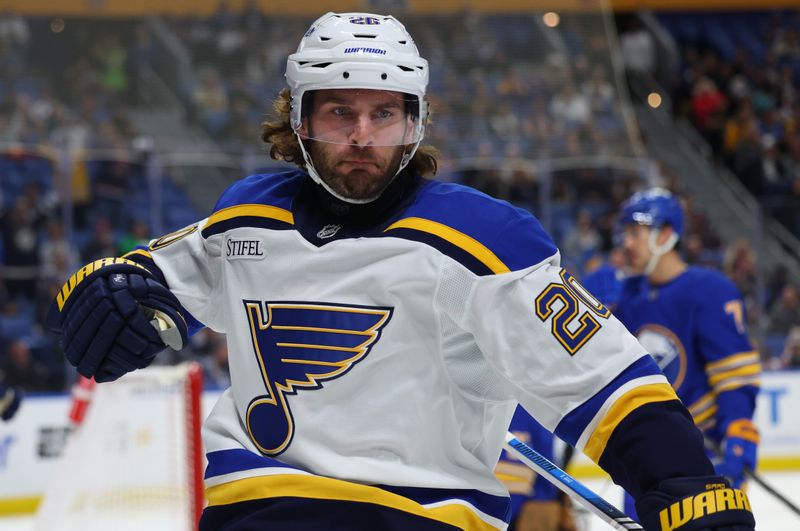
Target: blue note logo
x=299, y=345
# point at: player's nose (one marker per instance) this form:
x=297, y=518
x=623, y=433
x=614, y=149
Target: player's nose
x=362, y=131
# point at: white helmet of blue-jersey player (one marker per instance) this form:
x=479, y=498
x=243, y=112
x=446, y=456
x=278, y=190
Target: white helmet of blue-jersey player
x=358, y=51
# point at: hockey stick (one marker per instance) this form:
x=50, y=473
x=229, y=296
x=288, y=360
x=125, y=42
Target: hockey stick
x=769, y=488
x=571, y=486
x=750, y=473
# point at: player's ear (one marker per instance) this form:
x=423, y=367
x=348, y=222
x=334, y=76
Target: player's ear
x=664, y=234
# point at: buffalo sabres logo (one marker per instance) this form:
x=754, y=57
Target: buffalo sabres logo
x=299, y=345
x=667, y=350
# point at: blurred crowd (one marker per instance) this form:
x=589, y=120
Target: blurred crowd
x=555, y=101
x=744, y=99
x=494, y=101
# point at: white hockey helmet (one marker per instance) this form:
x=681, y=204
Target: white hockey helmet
x=359, y=51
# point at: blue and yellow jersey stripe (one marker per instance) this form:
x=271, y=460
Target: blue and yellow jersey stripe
x=248, y=215
x=237, y=475
x=486, y=235
x=704, y=411
x=138, y=254
x=734, y=371
x=589, y=426
x=263, y=200
x=627, y=402
x=454, y=243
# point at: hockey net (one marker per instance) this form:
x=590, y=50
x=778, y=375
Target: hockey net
x=135, y=461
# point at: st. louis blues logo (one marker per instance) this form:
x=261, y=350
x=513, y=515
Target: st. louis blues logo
x=298, y=345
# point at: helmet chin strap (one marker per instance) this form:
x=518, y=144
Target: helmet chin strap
x=312, y=171
x=657, y=251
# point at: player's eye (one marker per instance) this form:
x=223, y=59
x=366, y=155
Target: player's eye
x=341, y=112
x=384, y=114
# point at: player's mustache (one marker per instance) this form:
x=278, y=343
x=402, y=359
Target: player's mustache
x=362, y=154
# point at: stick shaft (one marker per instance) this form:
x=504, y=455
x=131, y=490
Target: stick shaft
x=769, y=488
x=571, y=486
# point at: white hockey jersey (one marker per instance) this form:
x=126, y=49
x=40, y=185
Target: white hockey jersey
x=391, y=355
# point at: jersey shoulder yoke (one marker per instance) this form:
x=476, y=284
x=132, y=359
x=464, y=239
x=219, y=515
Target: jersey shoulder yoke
x=262, y=200
x=487, y=235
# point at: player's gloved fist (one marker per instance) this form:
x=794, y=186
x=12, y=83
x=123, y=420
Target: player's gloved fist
x=739, y=449
x=104, y=313
x=10, y=399
x=695, y=504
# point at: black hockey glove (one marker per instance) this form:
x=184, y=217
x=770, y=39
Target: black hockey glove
x=114, y=316
x=695, y=504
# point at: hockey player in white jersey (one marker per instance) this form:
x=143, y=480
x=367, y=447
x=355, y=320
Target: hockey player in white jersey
x=382, y=327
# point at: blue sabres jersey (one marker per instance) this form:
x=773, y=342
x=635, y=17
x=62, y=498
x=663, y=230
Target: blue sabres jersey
x=694, y=327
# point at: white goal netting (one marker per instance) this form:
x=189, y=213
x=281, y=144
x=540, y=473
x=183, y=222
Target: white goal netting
x=134, y=462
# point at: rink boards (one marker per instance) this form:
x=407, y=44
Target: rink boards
x=30, y=445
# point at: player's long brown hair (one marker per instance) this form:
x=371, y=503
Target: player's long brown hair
x=285, y=146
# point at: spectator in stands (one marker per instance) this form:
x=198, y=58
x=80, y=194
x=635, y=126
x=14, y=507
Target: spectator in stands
x=746, y=161
x=238, y=132
x=141, y=56
x=14, y=43
x=735, y=127
x=583, y=240
x=231, y=40
x=739, y=264
x=252, y=20
x=59, y=257
x=570, y=106
x=599, y=91
x=775, y=180
x=708, y=111
x=111, y=191
x=22, y=370
x=638, y=52
x=138, y=234
x=215, y=367
x=210, y=100
x=790, y=358
x=784, y=314
x=786, y=44
x=113, y=58
x=102, y=242
x=505, y=123
x=20, y=228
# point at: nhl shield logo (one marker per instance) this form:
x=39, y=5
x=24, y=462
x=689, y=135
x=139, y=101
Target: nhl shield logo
x=328, y=231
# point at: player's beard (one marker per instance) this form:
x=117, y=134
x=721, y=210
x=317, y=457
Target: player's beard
x=356, y=181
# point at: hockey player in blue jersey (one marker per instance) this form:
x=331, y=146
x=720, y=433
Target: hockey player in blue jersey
x=382, y=327
x=692, y=321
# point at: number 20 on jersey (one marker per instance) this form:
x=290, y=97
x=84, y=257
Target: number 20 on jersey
x=560, y=302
